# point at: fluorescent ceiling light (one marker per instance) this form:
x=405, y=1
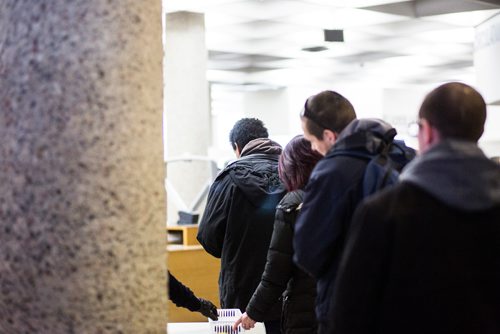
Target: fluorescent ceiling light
x=460, y=35
x=341, y=18
x=450, y=50
x=216, y=18
x=192, y=5
x=258, y=29
x=267, y=10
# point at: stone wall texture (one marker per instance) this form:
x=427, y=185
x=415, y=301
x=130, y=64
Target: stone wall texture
x=82, y=203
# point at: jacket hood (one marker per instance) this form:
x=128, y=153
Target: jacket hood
x=255, y=173
x=261, y=145
x=458, y=174
x=365, y=134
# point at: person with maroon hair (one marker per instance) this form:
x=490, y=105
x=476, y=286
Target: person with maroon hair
x=281, y=277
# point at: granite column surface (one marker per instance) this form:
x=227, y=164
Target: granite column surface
x=82, y=205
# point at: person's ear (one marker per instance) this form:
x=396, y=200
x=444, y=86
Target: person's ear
x=330, y=136
x=237, y=151
x=428, y=135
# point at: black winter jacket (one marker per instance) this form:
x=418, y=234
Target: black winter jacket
x=280, y=274
x=332, y=194
x=424, y=257
x=237, y=223
x=181, y=295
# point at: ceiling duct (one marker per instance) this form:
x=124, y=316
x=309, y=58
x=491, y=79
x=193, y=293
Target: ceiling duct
x=438, y=7
x=421, y=8
x=494, y=2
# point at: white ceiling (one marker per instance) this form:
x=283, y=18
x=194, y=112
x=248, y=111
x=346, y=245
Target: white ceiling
x=261, y=41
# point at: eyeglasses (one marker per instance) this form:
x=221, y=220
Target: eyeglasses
x=414, y=128
x=306, y=112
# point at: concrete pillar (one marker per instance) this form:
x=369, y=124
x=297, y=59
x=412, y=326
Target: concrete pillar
x=82, y=237
x=186, y=106
x=486, y=55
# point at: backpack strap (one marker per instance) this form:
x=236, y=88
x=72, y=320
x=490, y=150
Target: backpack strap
x=379, y=171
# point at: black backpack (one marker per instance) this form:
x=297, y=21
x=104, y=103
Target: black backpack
x=383, y=167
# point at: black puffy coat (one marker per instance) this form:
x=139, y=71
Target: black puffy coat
x=282, y=277
x=237, y=223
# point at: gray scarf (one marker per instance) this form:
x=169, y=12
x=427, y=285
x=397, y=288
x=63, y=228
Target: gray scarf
x=458, y=174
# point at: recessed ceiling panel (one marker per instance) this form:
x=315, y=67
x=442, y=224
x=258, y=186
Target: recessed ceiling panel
x=364, y=57
x=266, y=10
x=219, y=55
x=262, y=40
x=258, y=29
x=194, y=5
x=405, y=27
x=217, y=18
x=341, y=18
x=459, y=35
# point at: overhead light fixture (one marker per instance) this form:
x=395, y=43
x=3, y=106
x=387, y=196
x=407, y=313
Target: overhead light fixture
x=334, y=35
x=315, y=48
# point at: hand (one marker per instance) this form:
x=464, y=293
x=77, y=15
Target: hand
x=208, y=309
x=245, y=321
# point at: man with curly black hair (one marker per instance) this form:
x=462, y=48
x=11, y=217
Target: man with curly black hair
x=244, y=131
x=238, y=220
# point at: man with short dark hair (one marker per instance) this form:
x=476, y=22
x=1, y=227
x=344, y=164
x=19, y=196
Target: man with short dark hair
x=424, y=256
x=334, y=189
x=237, y=223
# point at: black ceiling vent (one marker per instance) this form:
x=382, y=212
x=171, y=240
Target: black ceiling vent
x=334, y=35
x=315, y=48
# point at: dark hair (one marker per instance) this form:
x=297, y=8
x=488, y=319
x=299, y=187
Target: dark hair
x=456, y=110
x=296, y=163
x=245, y=130
x=327, y=110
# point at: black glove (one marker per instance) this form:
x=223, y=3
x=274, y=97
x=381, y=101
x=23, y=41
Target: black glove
x=208, y=309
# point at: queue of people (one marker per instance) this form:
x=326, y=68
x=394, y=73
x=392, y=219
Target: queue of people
x=305, y=249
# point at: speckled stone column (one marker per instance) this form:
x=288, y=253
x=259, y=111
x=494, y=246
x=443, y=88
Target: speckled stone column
x=82, y=230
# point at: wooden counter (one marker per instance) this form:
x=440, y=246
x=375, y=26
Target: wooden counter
x=197, y=270
x=185, y=234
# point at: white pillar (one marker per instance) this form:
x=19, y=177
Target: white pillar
x=186, y=106
x=486, y=59
x=487, y=64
